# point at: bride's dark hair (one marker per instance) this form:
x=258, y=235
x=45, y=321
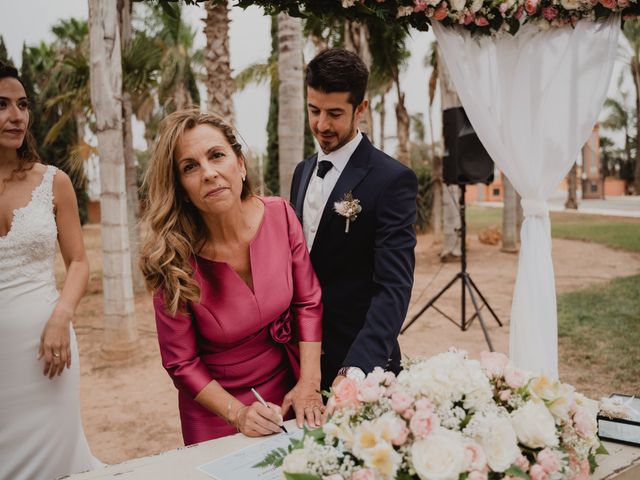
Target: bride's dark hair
x=27, y=152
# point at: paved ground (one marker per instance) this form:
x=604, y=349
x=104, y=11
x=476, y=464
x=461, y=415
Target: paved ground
x=628, y=206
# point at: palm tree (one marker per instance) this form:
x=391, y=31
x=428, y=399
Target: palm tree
x=631, y=32
x=216, y=60
x=431, y=61
x=121, y=336
x=356, y=39
x=291, y=106
x=4, y=55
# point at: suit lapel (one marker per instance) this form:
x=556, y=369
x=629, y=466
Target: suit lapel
x=304, y=184
x=356, y=169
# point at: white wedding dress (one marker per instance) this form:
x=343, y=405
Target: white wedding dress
x=41, y=435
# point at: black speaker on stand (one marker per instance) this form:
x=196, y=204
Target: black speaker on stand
x=466, y=161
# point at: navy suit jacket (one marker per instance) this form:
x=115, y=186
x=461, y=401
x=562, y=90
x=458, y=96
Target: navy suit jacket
x=366, y=274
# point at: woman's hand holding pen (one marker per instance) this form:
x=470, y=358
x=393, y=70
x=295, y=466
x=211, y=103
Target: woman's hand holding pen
x=257, y=420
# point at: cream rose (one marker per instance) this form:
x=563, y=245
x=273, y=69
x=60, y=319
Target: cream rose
x=295, y=462
x=440, y=456
x=534, y=425
x=500, y=443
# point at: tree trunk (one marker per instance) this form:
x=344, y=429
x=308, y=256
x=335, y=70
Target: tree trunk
x=635, y=67
x=509, y=218
x=572, y=188
x=131, y=166
x=120, y=333
x=290, y=99
x=450, y=194
x=217, y=60
x=383, y=118
x=356, y=39
x=403, y=124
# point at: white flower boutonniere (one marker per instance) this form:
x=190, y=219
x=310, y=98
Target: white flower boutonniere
x=349, y=208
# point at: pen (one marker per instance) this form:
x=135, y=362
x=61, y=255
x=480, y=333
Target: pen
x=261, y=400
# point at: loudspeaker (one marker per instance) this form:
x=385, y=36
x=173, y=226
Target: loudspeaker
x=465, y=160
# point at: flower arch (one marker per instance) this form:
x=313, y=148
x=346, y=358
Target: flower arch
x=480, y=17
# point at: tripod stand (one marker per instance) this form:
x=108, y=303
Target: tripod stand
x=467, y=284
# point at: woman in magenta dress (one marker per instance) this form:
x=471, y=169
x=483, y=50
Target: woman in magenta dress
x=237, y=302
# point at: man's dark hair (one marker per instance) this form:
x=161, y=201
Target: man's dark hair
x=8, y=70
x=338, y=70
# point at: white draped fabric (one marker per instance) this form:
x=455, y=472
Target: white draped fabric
x=533, y=99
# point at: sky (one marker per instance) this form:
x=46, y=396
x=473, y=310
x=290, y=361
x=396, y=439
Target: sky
x=30, y=21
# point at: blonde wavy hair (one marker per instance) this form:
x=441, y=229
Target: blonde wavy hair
x=174, y=230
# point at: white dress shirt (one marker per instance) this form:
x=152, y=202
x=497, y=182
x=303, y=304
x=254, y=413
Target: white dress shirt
x=319, y=189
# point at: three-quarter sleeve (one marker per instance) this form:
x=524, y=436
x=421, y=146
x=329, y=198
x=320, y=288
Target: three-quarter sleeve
x=179, y=349
x=306, y=304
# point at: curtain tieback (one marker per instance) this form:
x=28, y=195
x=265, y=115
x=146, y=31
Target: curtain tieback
x=534, y=208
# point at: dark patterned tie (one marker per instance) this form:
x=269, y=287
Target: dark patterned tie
x=323, y=167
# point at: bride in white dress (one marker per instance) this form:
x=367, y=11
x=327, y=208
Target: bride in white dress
x=41, y=435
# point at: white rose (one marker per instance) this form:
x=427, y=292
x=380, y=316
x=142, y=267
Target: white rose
x=440, y=456
x=340, y=431
x=499, y=443
x=383, y=460
x=476, y=5
x=534, y=425
x=570, y=4
x=348, y=3
x=457, y=5
x=295, y=462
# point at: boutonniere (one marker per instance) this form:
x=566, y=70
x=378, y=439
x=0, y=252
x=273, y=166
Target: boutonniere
x=349, y=208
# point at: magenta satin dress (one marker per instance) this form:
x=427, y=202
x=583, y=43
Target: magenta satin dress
x=243, y=338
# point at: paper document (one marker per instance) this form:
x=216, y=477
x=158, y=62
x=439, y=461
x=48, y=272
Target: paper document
x=239, y=465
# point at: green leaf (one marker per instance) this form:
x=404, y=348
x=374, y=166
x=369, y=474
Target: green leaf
x=274, y=458
x=516, y=472
x=300, y=476
x=317, y=434
x=602, y=450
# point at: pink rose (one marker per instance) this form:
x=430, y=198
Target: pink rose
x=503, y=7
x=537, y=472
x=505, y=395
x=481, y=21
x=441, y=12
x=408, y=413
x=493, y=362
x=585, y=470
x=551, y=12
x=518, y=13
x=346, y=394
x=424, y=404
x=475, y=457
x=468, y=18
x=522, y=463
x=515, y=377
x=423, y=423
x=610, y=4
x=531, y=6
x=400, y=402
x=401, y=435
x=419, y=6
x=475, y=475
x=370, y=390
x=583, y=423
x=548, y=460
x=362, y=474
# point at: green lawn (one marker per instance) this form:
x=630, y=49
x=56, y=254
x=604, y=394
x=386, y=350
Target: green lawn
x=623, y=233
x=598, y=327
x=599, y=335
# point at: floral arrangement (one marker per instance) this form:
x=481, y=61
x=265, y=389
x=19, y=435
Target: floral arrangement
x=450, y=418
x=349, y=208
x=483, y=17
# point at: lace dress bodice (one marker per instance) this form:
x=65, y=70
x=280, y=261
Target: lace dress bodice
x=27, y=251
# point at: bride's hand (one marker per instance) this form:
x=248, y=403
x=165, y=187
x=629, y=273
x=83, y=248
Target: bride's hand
x=306, y=401
x=55, y=346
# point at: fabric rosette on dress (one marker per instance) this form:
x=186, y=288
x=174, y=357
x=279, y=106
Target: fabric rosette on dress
x=282, y=332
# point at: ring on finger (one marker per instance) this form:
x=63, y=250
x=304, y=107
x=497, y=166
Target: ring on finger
x=55, y=354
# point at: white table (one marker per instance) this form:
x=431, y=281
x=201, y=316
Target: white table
x=622, y=463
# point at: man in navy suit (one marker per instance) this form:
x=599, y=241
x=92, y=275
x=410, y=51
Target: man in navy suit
x=364, y=258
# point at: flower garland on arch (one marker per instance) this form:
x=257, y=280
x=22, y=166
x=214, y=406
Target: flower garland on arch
x=481, y=17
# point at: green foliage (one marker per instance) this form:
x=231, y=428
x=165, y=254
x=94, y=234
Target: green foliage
x=4, y=54
x=274, y=458
x=271, y=171
x=424, y=199
x=516, y=472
